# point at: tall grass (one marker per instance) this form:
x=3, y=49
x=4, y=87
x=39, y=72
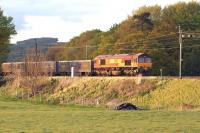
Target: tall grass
x=99, y=90
x=172, y=93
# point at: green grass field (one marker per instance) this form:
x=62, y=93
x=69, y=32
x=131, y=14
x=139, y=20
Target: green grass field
x=17, y=116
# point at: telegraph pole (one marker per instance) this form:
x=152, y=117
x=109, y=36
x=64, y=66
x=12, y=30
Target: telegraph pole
x=180, y=56
x=36, y=49
x=36, y=57
x=86, y=51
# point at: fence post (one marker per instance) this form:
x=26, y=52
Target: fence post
x=34, y=96
x=158, y=106
x=82, y=101
x=97, y=101
x=16, y=93
x=40, y=97
x=28, y=95
x=22, y=94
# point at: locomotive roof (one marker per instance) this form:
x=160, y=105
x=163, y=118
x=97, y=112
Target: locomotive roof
x=120, y=55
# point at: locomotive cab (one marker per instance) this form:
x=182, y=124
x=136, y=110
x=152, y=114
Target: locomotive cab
x=144, y=61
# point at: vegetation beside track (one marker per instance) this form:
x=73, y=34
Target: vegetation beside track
x=172, y=93
x=109, y=91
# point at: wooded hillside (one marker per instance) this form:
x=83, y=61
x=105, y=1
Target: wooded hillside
x=150, y=29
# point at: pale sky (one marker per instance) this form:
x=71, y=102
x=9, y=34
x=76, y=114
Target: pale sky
x=65, y=19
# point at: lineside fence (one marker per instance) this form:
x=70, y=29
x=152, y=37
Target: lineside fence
x=46, y=96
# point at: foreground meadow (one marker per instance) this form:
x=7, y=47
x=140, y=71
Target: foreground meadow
x=17, y=116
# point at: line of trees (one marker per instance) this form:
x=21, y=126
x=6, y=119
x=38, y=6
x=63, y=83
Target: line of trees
x=150, y=29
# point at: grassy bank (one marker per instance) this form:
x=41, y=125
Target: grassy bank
x=100, y=90
x=109, y=91
x=172, y=93
x=17, y=116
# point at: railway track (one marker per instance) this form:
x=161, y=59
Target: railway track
x=143, y=77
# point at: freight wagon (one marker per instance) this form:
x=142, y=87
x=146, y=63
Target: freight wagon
x=81, y=67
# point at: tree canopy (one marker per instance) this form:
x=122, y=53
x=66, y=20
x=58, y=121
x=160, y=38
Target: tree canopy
x=7, y=28
x=150, y=29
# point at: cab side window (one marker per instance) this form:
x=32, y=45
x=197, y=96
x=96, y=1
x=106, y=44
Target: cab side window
x=127, y=62
x=102, y=62
x=141, y=60
x=148, y=60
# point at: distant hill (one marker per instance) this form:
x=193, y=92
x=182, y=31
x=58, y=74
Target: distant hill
x=18, y=50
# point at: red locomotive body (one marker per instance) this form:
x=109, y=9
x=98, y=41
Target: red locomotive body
x=122, y=64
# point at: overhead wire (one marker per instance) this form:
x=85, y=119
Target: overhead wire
x=132, y=47
x=177, y=47
x=121, y=43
